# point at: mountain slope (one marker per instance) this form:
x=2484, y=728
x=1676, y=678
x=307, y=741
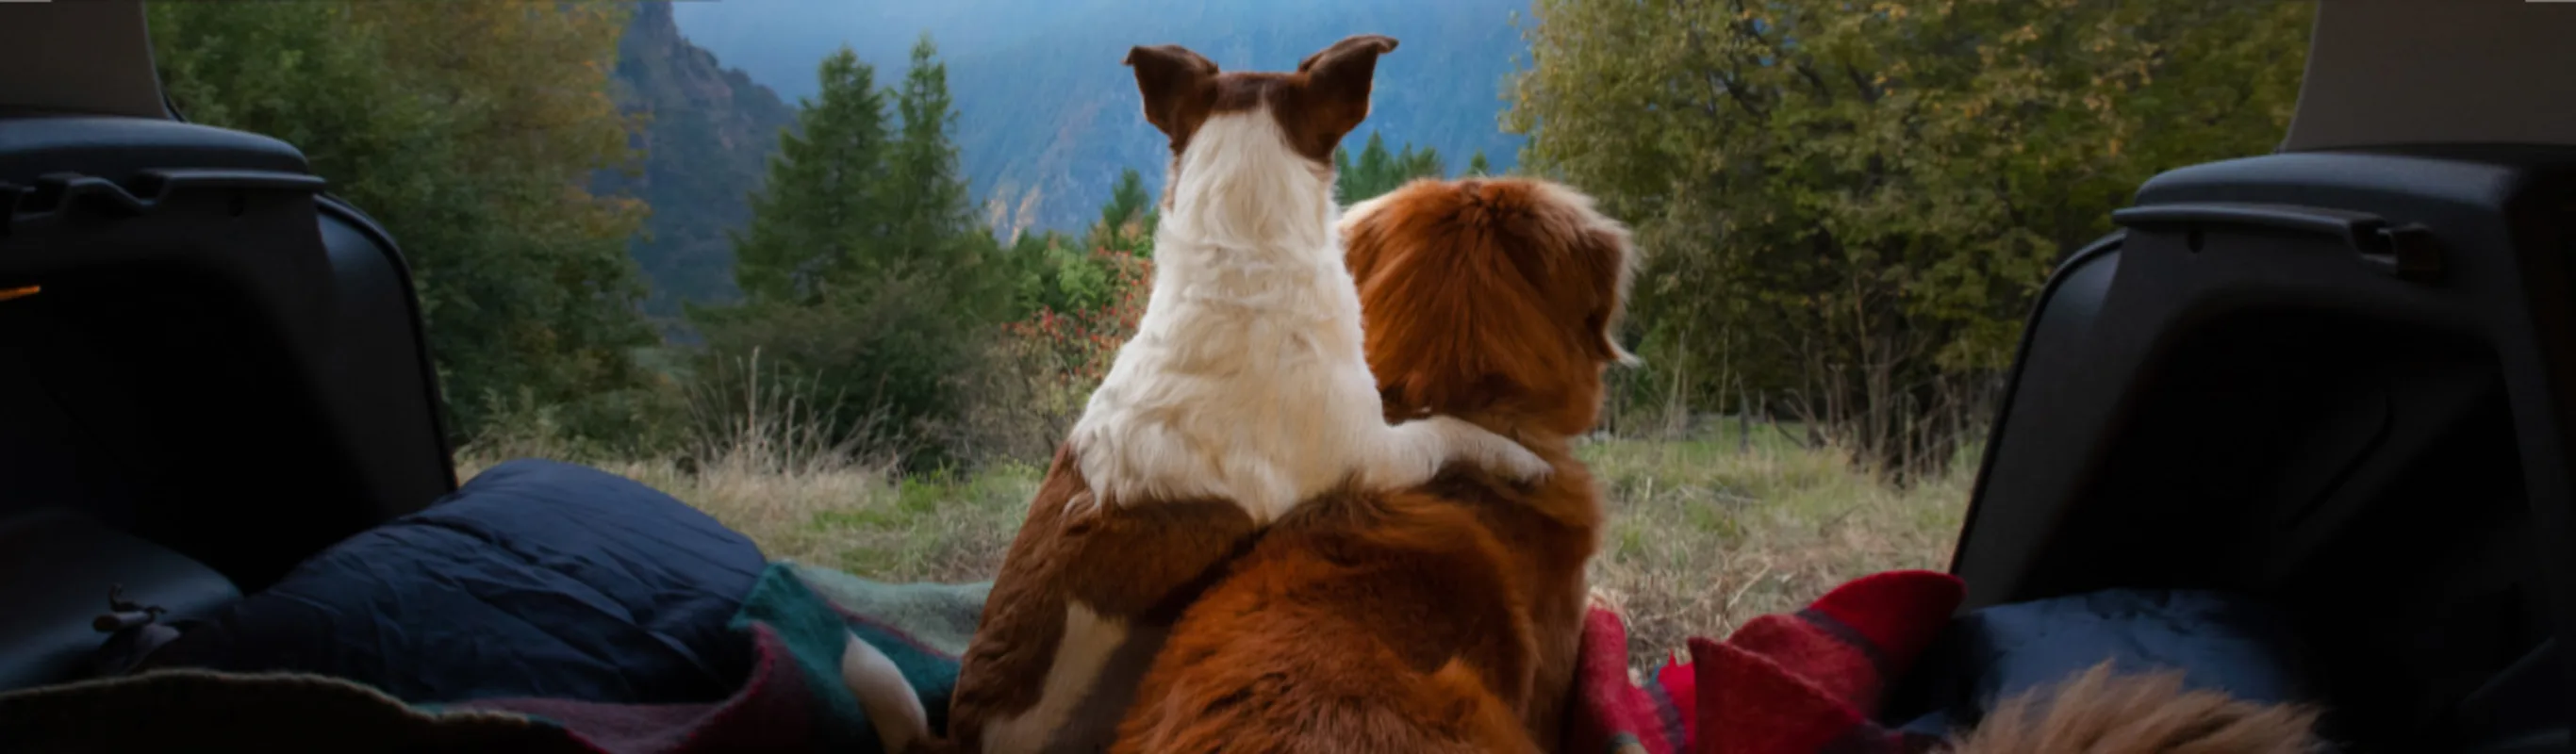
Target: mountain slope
x=1048, y=117
x=706, y=141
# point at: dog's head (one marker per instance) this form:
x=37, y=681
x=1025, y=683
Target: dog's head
x=1498, y=297
x=1252, y=152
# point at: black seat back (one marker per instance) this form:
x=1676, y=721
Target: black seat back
x=2344, y=381
x=199, y=351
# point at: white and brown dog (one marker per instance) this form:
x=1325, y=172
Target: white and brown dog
x=1244, y=392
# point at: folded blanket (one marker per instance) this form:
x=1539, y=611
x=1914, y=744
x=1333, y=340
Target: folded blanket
x=536, y=579
x=797, y=620
x=1797, y=683
x=1783, y=684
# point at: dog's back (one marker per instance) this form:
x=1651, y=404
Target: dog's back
x=1361, y=622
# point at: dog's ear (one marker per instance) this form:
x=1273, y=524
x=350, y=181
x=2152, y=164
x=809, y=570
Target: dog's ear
x=1338, y=80
x=1610, y=269
x=1174, y=81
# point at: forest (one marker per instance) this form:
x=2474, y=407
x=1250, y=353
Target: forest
x=1846, y=211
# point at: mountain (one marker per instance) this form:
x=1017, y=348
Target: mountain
x=1047, y=115
x=706, y=140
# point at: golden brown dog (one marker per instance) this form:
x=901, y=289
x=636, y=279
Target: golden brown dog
x=1446, y=617
x=2103, y=712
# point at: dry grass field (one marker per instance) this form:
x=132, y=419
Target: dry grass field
x=1706, y=531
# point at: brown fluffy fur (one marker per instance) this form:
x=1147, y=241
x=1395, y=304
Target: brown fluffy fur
x=2102, y=712
x=1444, y=618
x=1090, y=556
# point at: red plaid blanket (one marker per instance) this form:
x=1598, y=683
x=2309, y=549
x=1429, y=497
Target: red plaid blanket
x=1799, y=683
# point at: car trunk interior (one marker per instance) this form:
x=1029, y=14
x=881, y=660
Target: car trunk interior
x=209, y=371
x=2362, y=474
x=170, y=426
x=2251, y=389
x=2245, y=394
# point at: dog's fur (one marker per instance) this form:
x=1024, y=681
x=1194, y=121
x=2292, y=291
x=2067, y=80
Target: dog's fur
x=1446, y=617
x=1244, y=392
x=2113, y=713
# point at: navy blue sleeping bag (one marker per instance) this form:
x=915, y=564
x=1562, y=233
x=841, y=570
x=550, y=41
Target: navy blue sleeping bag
x=2219, y=641
x=536, y=579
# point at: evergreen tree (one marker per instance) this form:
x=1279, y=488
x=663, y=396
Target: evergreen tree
x=1128, y=201
x=1126, y=220
x=817, y=217
x=1376, y=171
x=1476, y=164
x=1370, y=173
x=923, y=195
x=1343, y=174
x=864, y=269
x=1422, y=164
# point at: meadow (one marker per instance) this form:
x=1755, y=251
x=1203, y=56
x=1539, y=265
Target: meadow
x=1708, y=527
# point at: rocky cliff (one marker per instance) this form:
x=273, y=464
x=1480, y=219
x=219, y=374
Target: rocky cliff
x=707, y=135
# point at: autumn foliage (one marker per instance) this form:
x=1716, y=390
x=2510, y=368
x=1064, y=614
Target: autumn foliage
x=1082, y=301
x=1080, y=343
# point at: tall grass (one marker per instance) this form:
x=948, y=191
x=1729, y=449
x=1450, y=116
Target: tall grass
x=747, y=420
x=1706, y=530
x=1712, y=530
x=759, y=454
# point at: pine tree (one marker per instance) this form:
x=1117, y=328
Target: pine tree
x=1477, y=166
x=1371, y=172
x=925, y=200
x=1343, y=173
x=1128, y=201
x=1377, y=172
x=816, y=219
x=865, y=270
x=1422, y=164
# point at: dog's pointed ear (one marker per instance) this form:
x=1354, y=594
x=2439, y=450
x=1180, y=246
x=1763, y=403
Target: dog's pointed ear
x=1170, y=77
x=1338, y=80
